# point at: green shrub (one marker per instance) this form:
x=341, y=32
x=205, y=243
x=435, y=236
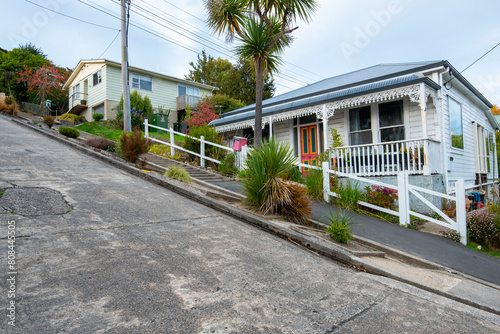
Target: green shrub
x=452, y=235
x=483, y=228
x=340, y=227
x=49, y=121
x=267, y=191
x=8, y=100
x=97, y=117
x=102, y=143
x=227, y=165
x=139, y=108
x=314, y=183
x=71, y=118
x=210, y=135
x=381, y=196
x=133, y=145
x=349, y=195
x=69, y=132
x=179, y=174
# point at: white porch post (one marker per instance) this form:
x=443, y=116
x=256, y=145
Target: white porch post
x=423, y=114
x=325, y=128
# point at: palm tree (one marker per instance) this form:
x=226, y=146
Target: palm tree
x=263, y=28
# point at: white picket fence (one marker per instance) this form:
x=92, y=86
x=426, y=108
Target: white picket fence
x=404, y=189
x=203, y=143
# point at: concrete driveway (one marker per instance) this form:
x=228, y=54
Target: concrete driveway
x=99, y=250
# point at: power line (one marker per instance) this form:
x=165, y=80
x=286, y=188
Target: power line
x=71, y=17
x=299, y=81
x=493, y=48
x=218, y=40
x=205, y=23
x=142, y=27
x=109, y=45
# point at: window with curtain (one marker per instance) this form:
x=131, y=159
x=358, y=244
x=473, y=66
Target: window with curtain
x=391, y=121
x=360, y=126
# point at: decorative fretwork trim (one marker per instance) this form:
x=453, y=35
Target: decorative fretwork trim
x=413, y=92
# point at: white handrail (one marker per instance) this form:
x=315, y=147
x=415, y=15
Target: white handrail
x=172, y=145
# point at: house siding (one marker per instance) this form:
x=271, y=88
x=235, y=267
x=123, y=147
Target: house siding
x=97, y=93
x=282, y=131
x=413, y=125
x=464, y=160
x=339, y=122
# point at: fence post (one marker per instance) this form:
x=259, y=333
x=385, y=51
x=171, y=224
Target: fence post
x=146, y=129
x=172, y=149
x=243, y=157
x=202, y=151
x=460, y=210
x=403, y=199
x=326, y=180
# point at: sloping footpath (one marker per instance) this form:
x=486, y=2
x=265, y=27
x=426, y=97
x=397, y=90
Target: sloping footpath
x=402, y=261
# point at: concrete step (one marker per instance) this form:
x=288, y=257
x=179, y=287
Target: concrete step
x=160, y=163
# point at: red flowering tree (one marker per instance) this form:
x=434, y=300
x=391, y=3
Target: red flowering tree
x=46, y=81
x=204, y=113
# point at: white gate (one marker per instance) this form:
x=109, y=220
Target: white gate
x=404, y=189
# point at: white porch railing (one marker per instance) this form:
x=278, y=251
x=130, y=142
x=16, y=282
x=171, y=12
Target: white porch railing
x=239, y=155
x=421, y=156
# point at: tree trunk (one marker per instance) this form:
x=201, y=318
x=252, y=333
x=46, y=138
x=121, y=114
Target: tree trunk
x=259, y=86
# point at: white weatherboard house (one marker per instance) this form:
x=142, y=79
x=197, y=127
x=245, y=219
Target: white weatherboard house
x=95, y=86
x=424, y=118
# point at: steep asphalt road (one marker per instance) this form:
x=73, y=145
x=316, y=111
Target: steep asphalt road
x=99, y=250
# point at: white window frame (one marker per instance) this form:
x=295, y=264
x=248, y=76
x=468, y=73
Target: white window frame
x=370, y=130
x=380, y=128
x=196, y=89
x=450, y=100
x=99, y=78
x=139, y=76
x=480, y=154
x=76, y=91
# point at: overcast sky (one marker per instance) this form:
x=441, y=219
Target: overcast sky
x=342, y=36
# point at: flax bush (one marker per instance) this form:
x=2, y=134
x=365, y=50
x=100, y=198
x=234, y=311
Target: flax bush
x=267, y=191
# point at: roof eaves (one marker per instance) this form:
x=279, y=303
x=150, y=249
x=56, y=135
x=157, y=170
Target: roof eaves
x=354, y=84
x=294, y=105
x=469, y=86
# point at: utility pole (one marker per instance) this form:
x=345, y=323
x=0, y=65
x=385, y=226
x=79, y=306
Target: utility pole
x=127, y=126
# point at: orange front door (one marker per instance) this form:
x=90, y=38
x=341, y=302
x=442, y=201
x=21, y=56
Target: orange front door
x=309, y=145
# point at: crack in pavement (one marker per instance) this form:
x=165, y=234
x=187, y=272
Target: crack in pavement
x=360, y=313
x=109, y=227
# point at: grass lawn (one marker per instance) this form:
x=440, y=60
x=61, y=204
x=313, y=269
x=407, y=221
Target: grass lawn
x=486, y=250
x=107, y=130
x=101, y=129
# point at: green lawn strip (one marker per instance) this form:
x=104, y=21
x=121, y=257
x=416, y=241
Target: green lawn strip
x=484, y=249
x=101, y=129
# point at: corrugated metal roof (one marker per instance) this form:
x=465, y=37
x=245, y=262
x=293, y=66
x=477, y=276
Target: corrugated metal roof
x=356, y=78
x=324, y=98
